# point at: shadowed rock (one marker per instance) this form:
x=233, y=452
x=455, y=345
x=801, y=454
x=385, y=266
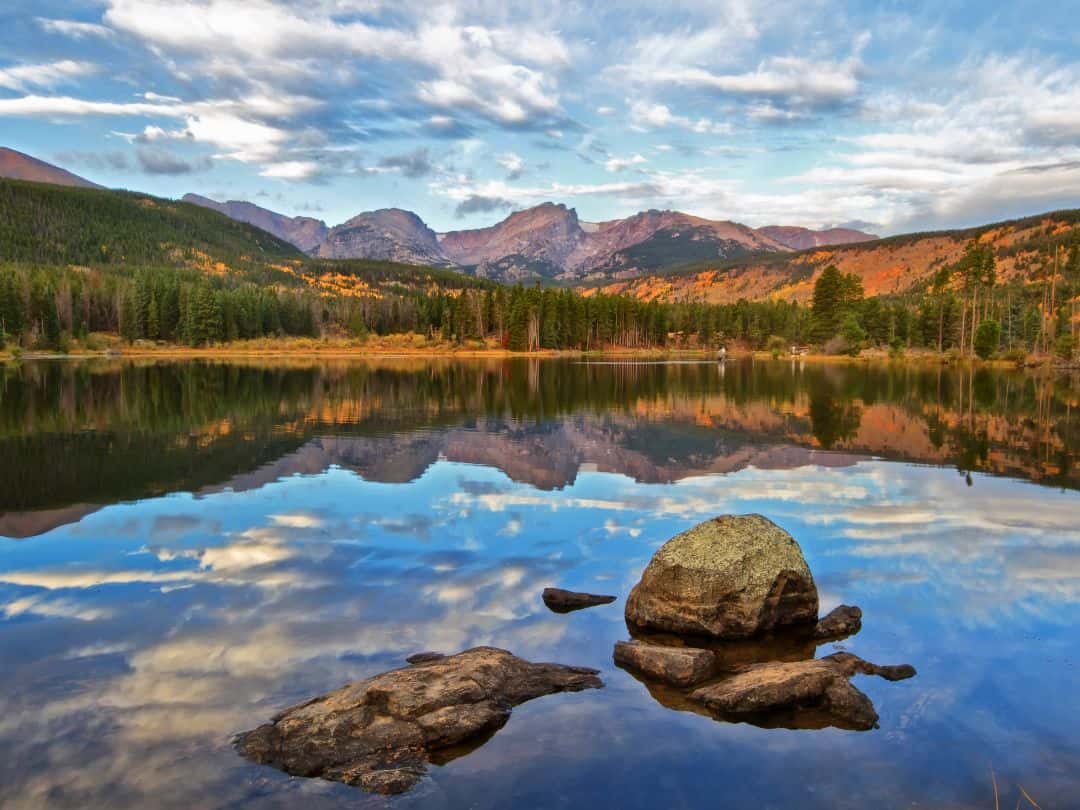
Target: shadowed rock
x=841, y=622
x=561, y=601
x=381, y=733
x=678, y=666
x=820, y=686
x=730, y=577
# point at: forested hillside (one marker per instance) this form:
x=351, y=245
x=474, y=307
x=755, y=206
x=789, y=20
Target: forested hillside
x=54, y=225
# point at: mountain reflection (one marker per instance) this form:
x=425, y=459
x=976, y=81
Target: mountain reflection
x=114, y=431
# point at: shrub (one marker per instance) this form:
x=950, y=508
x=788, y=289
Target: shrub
x=987, y=337
x=853, y=334
x=1065, y=346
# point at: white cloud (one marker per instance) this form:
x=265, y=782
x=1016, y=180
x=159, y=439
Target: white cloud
x=513, y=163
x=617, y=164
x=74, y=28
x=49, y=74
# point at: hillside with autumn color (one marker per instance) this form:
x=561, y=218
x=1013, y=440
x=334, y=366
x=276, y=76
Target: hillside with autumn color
x=1023, y=250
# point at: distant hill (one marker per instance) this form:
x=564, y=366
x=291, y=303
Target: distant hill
x=1023, y=250
x=804, y=238
x=18, y=166
x=306, y=233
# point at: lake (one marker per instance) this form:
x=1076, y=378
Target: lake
x=188, y=547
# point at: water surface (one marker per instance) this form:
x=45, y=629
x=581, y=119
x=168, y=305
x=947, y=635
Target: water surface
x=186, y=548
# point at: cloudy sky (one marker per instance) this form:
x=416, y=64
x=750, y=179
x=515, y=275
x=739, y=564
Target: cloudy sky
x=900, y=114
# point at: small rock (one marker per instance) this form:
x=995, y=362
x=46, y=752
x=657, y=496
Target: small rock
x=561, y=601
x=841, y=622
x=381, y=733
x=425, y=657
x=852, y=664
x=734, y=576
x=678, y=666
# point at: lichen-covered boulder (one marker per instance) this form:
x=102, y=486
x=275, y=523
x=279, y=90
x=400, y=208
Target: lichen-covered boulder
x=734, y=576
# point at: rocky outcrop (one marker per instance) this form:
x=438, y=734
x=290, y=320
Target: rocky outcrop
x=840, y=622
x=561, y=601
x=390, y=234
x=381, y=733
x=734, y=576
x=678, y=666
x=818, y=685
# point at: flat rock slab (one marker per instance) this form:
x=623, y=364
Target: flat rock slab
x=734, y=576
x=820, y=684
x=678, y=666
x=561, y=601
x=381, y=733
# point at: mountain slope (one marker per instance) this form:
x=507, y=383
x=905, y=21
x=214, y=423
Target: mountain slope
x=1023, y=250
x=389, y=234
x=656, y=240
x=306, y=233
x=50, y=224
x=18, y=166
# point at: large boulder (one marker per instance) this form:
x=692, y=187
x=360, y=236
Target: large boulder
x=380, y=733
x=730, y=577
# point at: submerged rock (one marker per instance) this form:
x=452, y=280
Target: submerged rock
x=820, y=685
x=730, y=577
x=381, y=733
x=840, y=622
x=561, y=601
x=678, y=666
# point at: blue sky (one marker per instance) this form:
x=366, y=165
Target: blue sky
x=902, y=115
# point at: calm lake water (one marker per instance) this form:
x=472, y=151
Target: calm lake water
x=187, y=548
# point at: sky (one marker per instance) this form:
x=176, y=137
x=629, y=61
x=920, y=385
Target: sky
x=893, y=116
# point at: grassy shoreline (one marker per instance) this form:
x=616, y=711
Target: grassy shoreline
x=417, y=346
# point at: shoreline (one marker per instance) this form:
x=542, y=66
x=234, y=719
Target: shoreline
x=391, y=349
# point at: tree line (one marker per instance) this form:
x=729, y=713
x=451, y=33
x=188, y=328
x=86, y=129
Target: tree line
x=963, y=308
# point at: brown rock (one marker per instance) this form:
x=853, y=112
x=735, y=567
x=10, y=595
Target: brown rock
x=561, y=601
x=841, y=622
x=730, y=577
x=819, y=685
x=678, y=666
x=381, y=733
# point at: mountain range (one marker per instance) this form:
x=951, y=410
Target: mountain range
x=545, y=241
x=652, y=255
